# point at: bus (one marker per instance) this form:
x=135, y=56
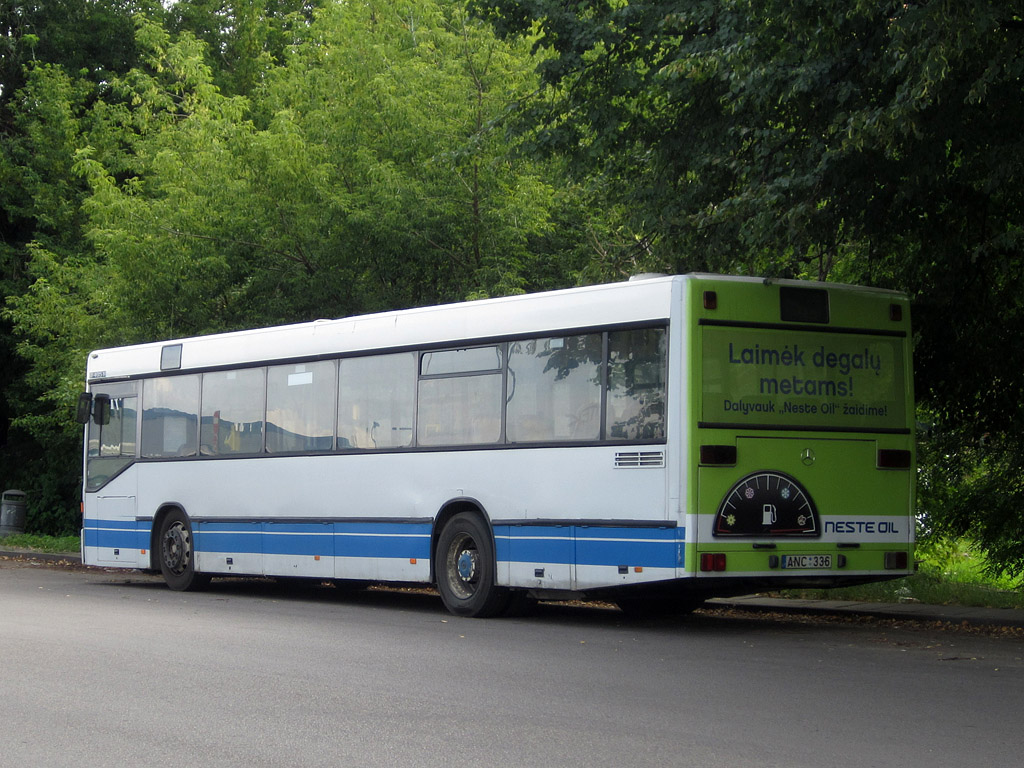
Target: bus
x=652, y=443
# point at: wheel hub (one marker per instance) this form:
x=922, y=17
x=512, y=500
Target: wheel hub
x=467, y=565
x=175, y=549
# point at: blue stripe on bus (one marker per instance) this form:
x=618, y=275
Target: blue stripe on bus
x=298, y=539
x=534, y=543
x=591, y=545
x=652, y=554
x=115, y=534
x=398, y=540
x=94, y=523
x=650, y=547
x=392, y=540
x=581, y=545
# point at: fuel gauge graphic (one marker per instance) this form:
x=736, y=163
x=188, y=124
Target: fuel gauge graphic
x=767, y=503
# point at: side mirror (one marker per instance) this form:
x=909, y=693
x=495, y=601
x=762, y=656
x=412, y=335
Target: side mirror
x=101, y=409
x=84, y=410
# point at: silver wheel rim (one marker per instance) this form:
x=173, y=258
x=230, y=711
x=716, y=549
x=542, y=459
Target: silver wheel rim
x=176, y=548
x=462, y=566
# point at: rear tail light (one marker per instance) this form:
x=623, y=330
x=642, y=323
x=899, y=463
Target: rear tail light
x=712, y=561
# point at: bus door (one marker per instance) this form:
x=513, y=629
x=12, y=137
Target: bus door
x=110, y=526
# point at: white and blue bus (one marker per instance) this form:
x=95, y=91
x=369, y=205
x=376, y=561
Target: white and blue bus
x=653, y=442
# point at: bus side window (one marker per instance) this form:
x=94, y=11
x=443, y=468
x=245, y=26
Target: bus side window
x=232, y=419
x=554, y=390
x=460, y=397
x=170, y=416
x=300, y=407
x=464, y=410
x=376, y=396
x=637, y=364
x=111, y=446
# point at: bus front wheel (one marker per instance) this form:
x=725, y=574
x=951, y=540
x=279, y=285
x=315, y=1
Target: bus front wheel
x=466, y=569
x=177, y=557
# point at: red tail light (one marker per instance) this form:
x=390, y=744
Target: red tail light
x=712, y=561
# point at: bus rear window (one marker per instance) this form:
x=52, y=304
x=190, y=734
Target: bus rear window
x=803, y=305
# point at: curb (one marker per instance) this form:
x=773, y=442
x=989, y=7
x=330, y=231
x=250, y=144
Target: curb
x=49, y=557
x=953, y=614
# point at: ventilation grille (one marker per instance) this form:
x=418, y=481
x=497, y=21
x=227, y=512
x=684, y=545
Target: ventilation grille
x=640, y=459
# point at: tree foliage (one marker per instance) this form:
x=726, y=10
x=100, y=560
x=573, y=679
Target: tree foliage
x=267, y=163
x=55, y=58
x=368, y=174
x=181, y=168
x=244, y=39
x=872, y=143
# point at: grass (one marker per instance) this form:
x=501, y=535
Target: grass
x=922, y=587
x=949, y=573
x=57, y=544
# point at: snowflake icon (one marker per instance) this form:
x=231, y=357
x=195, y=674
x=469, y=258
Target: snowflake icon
x=749, y=493
x=785, y=493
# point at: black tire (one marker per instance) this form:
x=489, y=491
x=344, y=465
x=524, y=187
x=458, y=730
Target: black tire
x=175, y=554
x=466, y=569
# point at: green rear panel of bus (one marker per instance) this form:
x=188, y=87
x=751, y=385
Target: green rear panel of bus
x=802, y=432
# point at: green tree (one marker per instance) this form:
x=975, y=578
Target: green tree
x=56, y=58
x=874, y=143
x=245, y=39
x=91, y=37
x=406, y=101
x=44, y=197
x=382, y=177
x=365, y=168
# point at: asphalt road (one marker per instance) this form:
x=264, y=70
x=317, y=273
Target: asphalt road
x=111, y=668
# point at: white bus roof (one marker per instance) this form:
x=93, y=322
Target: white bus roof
x=624, y=303
x=648, y=299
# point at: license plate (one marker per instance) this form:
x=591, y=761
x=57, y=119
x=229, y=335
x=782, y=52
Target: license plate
x=807, y=561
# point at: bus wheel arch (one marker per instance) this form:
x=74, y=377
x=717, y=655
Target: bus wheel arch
x=173, y=552
x=464, y=562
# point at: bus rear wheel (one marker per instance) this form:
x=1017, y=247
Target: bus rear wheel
x=466, y=569
x=176, y=555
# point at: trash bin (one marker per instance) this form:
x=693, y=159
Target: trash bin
x=12, y=513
